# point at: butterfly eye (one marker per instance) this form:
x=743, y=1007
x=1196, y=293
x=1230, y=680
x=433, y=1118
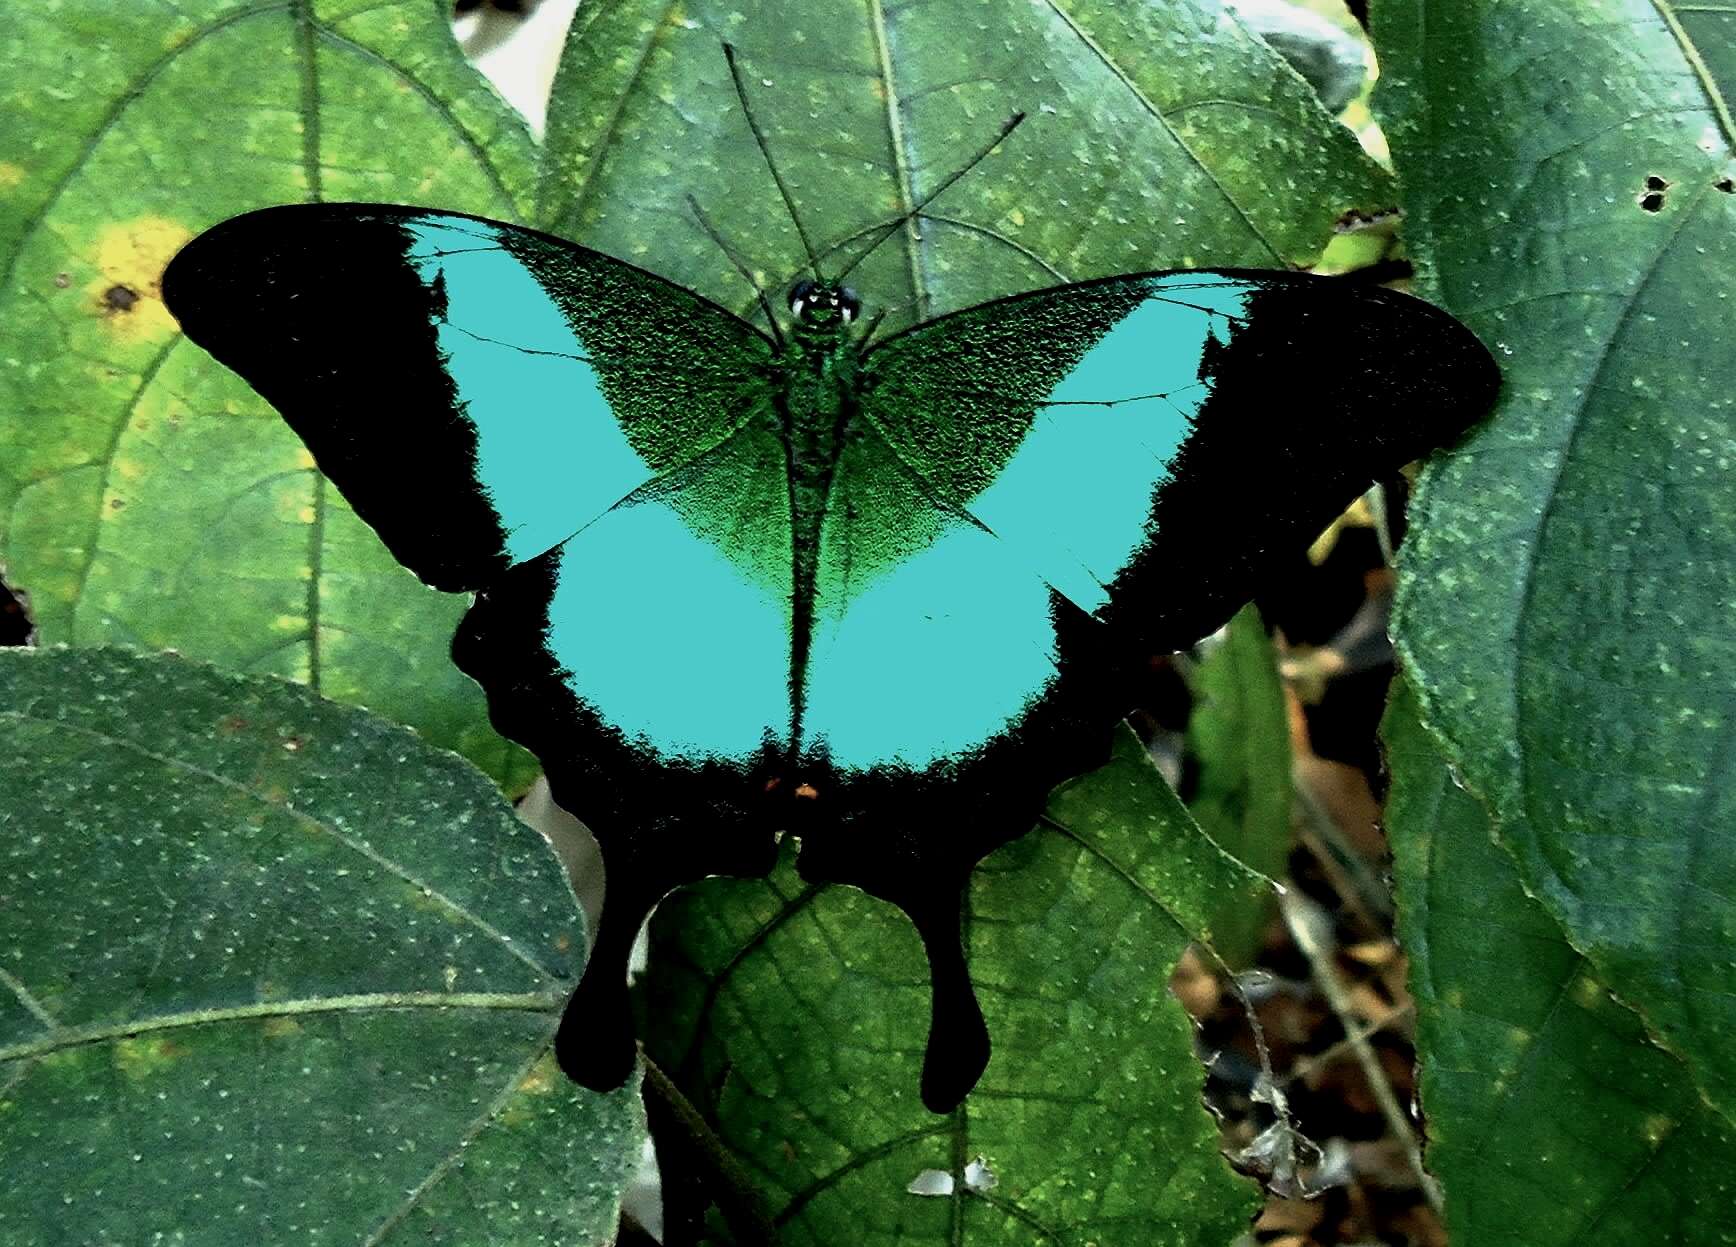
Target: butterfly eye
x=849, y=303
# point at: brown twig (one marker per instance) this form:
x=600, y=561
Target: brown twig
x=1307, y=924
x=1368, y=1030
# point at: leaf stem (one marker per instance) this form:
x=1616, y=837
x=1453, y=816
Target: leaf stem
x=731, y=1186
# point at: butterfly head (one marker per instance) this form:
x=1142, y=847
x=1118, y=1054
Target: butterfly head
x=823, y=305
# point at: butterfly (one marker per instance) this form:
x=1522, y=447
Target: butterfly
x=732, y=582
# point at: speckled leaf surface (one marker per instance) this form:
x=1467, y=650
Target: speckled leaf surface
x=1570, y=574
x=273, y=970
x=795, y=1018
x=1239, y=732
x=1552, y=1119
x=1158, y=136
x=147, y=496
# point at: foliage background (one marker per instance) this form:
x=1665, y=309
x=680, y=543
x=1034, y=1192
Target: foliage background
x=1560, y=808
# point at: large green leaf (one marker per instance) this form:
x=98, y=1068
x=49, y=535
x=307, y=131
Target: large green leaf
x=146, y=494
x=1553, y=1120
x=1158, y=136
x=795, y=1016
x=1566, y=604
x=273, y=970
x=1240, y=733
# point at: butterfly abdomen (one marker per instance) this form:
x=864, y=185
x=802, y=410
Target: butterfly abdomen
x=817, y=404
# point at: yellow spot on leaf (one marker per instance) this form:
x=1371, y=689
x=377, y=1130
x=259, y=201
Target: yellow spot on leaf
x=279, y=1028
x=141, y=1057
x=129, y=258
x=289, y=623
x=10, y=175
x=305, y=515
x=303, y=457
x=542, y=1076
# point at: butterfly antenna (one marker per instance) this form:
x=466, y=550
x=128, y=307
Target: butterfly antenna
x=760, y=138
x=740, y=266
x=892, y=227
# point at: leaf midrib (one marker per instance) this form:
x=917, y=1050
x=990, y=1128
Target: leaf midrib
x=64, y=1037
x=901, y=168
x=1691, y=53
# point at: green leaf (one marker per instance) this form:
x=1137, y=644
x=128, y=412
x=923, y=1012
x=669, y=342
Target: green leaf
x=147, y=496
x=1158, y=136
x=1566, y=589
x=794, y=1016
x=275, y=970
x=1240, y=732
x=1553, y=1119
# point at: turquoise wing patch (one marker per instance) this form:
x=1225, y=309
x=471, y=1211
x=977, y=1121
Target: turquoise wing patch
x=478, y=392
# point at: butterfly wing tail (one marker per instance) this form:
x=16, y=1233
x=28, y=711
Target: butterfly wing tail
x=660, y=823
x=958, y=1037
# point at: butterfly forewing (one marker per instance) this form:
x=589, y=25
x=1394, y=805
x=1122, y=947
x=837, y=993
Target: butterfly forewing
x=1146, y=444
x=477, y=392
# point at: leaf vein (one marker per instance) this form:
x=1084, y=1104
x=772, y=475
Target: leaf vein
x=361, y=848
x=1157, y=114
x=359, y=1002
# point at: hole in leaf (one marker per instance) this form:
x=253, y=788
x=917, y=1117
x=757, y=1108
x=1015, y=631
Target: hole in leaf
x=1656, y=183
x=977, y=1177
x=931, y=1182
x=1652, y=201
x=1727, y=185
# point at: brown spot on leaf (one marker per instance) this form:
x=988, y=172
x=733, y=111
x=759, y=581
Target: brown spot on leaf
x=128, y=258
